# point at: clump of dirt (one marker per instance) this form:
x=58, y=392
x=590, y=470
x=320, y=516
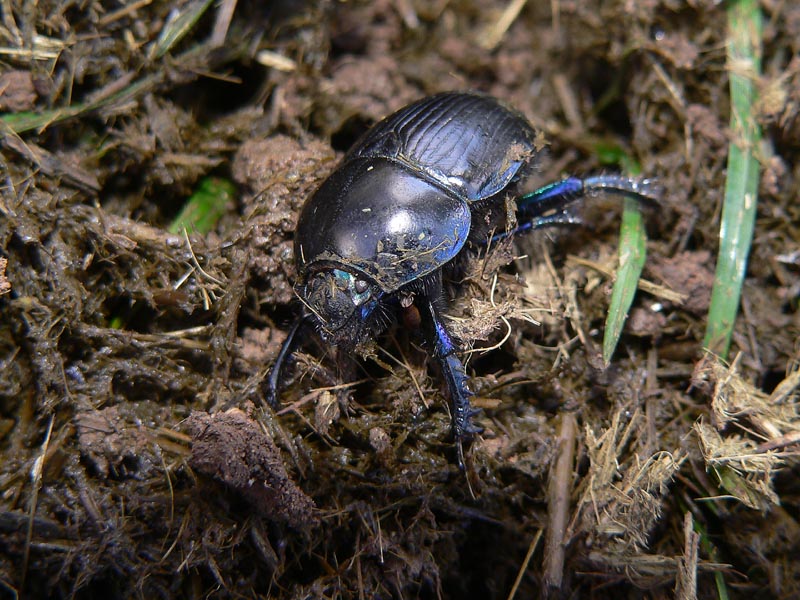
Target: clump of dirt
x=232, y=448
x=138, y=455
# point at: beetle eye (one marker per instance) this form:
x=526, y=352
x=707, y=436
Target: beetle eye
x=361, y=286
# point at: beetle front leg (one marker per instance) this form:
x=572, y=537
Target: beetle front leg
x=456, y=378
x=272, y=384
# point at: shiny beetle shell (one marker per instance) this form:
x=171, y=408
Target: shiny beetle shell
x=398, y=207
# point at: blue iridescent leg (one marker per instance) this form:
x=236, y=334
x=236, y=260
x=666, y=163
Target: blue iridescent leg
x=551, y=204
x=456, y=378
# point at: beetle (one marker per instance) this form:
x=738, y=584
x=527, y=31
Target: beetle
x=379, y=233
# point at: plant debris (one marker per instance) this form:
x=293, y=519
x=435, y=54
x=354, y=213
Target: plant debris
x=138, y=456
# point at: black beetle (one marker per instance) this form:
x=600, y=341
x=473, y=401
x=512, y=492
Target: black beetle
x=377, y=234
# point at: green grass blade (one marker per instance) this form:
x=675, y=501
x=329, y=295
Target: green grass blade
x=26, y=121
x=29, y=121
x=632, y=251
x=179, y=25
x=741, y=186
x=711, y=551
x=205, y=206
x=632, y=254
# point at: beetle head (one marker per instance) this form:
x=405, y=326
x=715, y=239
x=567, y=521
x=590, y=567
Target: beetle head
x=343, y=304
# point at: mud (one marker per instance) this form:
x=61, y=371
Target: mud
x=138, y=456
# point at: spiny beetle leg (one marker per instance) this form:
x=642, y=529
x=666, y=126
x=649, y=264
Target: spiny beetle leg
x=455, y=376
x=272, y=385
x=563, y=217
x=532, y=208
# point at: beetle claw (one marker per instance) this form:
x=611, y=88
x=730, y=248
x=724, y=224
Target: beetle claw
x=464, y=427
x=464, y=433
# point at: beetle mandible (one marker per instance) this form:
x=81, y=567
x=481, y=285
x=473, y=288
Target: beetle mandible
x=380, y=230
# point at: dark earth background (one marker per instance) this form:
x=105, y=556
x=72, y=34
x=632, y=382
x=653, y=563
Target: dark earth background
x=138, y=457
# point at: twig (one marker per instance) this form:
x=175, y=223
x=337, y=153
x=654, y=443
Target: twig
x=498, y=29
x=37, y=472
x=558, y=492
x=686, y=586
x=524, y=566
x=659, y=291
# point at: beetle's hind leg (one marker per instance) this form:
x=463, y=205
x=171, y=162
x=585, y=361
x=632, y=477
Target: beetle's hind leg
x=456, y=378
x=552, y=203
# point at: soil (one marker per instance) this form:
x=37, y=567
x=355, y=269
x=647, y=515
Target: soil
x=139, y=458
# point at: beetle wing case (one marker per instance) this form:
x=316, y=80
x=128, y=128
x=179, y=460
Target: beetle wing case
x=380, y=218
x=469, y=143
